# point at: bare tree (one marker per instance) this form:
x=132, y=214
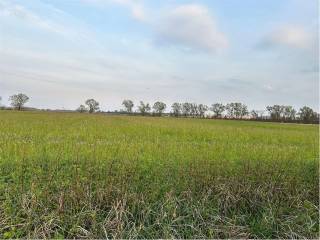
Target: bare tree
x=237, y=110
x=307, y=114
x=194, y=109
x=275, y=111
x=176, y=109
x=128, y=104
x=217, y=109
x=18, y=100
x=230, y=110
x=81, y=109
x=186, y=109
x=289, y=113
x=159, y=107
x=254, y=114
x=144, y=108
x=202, y=110
x=93, y=105
x=243, y=110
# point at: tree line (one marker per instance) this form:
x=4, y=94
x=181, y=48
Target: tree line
x=234, y=110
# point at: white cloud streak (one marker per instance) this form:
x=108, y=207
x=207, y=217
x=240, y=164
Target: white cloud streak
x=8, y=9
x=135, y=7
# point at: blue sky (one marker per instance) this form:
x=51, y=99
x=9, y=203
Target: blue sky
x=61, y=52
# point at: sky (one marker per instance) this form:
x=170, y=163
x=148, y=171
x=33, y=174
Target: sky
x=62, y=52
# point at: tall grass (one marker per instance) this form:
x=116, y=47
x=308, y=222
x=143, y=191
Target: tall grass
x=67, y=175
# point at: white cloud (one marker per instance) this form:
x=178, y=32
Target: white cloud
x=191, y=26
x=135, y=7
x=290, y=36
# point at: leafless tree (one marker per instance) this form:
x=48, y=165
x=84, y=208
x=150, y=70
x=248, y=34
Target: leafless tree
x=202, y=110
x=289, y=113
x=237, y=110
x=186, y=109
x=144, y=108
x=275, y=111
x=128, y=104
x=217, y=109
x=159, y=108
x=307, y=114
x=93, y=105
x=176, y=109
x=18, y=100
x=81, y=109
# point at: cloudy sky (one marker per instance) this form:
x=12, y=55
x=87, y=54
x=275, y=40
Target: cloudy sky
x=61, y=52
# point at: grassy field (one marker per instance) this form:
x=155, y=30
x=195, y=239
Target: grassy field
x=66, y=175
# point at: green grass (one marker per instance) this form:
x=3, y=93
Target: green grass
x=69, y=175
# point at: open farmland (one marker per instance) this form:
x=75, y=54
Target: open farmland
x=95, y=176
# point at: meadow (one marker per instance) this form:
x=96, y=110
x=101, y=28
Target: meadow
x=72, y=175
